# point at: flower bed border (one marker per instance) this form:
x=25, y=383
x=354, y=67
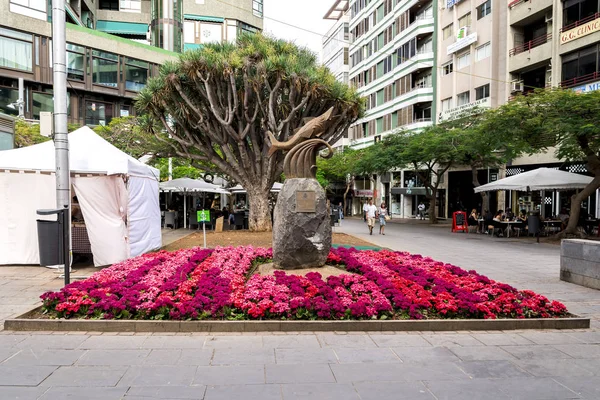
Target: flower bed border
x=26, y=323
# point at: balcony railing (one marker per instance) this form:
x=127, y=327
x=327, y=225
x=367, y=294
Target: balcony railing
x=527, y=46
x=580, y=79
x=580, y=22
x=515, y=3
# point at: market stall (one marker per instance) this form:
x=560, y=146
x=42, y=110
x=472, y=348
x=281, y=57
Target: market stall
x=116, y=194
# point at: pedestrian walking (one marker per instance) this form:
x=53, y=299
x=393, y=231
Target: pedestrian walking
x=365, y=205
x=383, y=217
x=421, y=208
x=371, y=213
x=341, y=210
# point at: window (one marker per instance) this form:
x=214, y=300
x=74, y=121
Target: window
x=482, y=92
x=387, y=64
x=136, y=74
x=446, y=104
x=380, y=97
x=447, y=31
x=109, y=5
x=16, y=50
x=579, y=64
x=465, y=20
x=105, y=68
x=576, y=10
x=8, y=96
x=463, y=61
x=131, y=6
x=31, y=8
x=97, y=113
x=484, y=9
x=463, y=98
x=483, y=52
x=406, y=51
x=75, y=62
x=447, y=68
x=257, y=7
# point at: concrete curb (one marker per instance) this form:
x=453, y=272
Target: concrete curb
x=22, y=323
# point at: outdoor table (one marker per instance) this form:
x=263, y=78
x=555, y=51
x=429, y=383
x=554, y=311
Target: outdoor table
x=481, y=225
x=509, y=223
x=553, y=224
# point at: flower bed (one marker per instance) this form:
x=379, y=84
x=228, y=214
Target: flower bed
x=194, y=284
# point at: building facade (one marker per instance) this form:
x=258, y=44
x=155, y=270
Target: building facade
x=392, y=65
x=113, y=48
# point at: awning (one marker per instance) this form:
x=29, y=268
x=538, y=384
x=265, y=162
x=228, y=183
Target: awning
x=419, y=191
x=191, y=46
x=202, y=18
x=122, y=28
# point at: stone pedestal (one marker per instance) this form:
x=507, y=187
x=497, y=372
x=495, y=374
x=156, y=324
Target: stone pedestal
x=301, y=230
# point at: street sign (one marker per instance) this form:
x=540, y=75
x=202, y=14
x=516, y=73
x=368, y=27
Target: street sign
x=203, y=215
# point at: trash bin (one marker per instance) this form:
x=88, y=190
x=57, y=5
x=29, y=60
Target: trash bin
x=49, y=242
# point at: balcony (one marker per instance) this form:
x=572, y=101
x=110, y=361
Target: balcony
x=534, y=52
x=594, y=76
x=527, y=46
x=520, y=10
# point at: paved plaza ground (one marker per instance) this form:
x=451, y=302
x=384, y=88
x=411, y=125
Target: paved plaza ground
x=336, y=365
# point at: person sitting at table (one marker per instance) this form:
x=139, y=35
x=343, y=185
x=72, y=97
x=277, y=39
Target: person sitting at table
x=509, y=215
x=472, y=220
x=494, y=224
x=564, y=218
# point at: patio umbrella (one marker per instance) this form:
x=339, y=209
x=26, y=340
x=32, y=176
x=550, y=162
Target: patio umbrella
x=186, y=185
x=239, y=189
x=538, y=179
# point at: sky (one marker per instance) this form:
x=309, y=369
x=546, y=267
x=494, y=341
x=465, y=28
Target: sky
x=306, y=14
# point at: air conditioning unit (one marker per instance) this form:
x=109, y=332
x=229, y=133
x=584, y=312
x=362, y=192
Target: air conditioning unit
x=548, y=18
x=517, y=86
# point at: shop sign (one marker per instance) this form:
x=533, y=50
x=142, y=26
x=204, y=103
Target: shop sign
x=363, y=193
x=451, y=3
x=462, y=43
x=465, y=109
x=588, y=87
x=580, y=31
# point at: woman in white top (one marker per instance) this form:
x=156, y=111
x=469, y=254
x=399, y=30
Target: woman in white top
x=383, y=212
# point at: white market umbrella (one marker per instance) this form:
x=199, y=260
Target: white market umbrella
x=238, y=189
x=538, y=179
x=186, y=185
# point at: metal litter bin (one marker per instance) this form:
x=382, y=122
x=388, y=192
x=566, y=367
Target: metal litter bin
x=49, y=234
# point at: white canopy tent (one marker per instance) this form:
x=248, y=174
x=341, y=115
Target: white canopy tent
x=187, y=185
x=117, y=194
x=538, y=179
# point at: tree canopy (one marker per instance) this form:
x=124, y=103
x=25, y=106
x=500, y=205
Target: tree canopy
x=562, y=120
x=217, y=104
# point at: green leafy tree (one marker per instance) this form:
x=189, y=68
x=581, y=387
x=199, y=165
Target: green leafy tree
x=182, y=168
x=563, y=120
x=135, y=136
x=341, y=167
x=27, y=133
x=217, y=104
x=480, y=146
x=430, y=153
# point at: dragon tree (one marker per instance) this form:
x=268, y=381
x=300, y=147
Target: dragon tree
x=219, y=105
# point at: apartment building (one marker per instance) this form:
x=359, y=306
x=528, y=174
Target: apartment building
x=553, y=44
x=336, y=42
x=392, y=66
x=113, y=47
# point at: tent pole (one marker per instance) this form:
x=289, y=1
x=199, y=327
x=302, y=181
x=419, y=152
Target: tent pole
x=184, y=209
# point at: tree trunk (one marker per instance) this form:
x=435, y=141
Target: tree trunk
x=259, y=219
x=348, y=186
x=576, y=207
x=485, y=198
x=432, y=206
